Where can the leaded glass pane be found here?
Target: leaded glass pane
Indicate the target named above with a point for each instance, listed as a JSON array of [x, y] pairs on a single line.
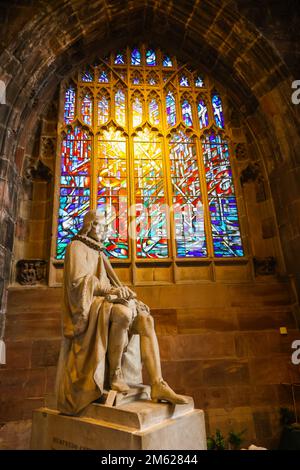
[[187, 116], [69, 108], [171, 109], [218, 110], [112, 191], [154, 112], [87, 76], [202, 114], [187, 198], [184, 81], [119, 59], [221, 197], [103, 77], [103, 110], [135, 57], [137, 112], [74, 198], [167, 62], [151, 214], [150, 57], [199, 83], [87, 109], [120, 107]]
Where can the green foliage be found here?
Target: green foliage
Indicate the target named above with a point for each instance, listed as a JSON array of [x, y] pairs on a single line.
[[235, 439], [219, 442], [216, 442]]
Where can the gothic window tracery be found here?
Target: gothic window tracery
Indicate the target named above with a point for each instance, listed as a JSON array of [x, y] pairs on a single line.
[[140, 130]]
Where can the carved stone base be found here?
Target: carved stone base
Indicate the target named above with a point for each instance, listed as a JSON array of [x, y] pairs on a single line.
[[136, 425]]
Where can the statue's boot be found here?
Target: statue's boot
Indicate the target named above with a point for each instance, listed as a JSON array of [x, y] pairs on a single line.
[[161, 391], [117, 381]]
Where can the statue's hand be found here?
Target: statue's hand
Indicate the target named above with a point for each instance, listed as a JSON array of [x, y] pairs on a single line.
[[123, 292], [143, 307]]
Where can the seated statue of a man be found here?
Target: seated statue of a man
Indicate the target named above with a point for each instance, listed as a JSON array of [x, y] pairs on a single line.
[[107, 332]]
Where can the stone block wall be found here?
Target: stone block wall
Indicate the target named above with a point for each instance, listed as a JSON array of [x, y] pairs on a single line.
[[219, 343]]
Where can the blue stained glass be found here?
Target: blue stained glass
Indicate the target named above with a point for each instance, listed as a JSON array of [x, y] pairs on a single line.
[[74, 199], [171, 109], [103, 77], [119, 59], [202, 114], [187, 198], [136, 80], [199, 82], [135, 57], [218, 110], [187, 113], [87, 109], [87, 76], [221, 197], [150, 57], [69, 111], [184, 81], [167, 61]]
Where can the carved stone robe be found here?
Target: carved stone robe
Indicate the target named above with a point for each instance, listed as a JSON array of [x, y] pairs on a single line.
[[82, 368]]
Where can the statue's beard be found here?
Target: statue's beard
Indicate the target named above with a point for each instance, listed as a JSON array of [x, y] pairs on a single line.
[[97, 238]]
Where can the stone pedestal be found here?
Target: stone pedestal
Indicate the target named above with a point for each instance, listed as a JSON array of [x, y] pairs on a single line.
[[134, 425]]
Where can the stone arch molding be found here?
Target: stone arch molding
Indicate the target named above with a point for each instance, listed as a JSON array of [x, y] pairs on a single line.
[[214, 35], [2, 92]]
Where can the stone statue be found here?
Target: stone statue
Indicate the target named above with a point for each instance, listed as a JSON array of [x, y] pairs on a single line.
[[107, 331]]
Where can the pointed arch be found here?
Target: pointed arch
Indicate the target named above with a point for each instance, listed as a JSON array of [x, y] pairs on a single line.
[[153, 120]]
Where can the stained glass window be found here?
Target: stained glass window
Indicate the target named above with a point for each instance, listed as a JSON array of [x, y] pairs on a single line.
[[87, 109], [154, 112], [112, 191], [150, 57], [87, 76], [128, 143], [74, 198], [218, 110], [187, 198], [137, 78], [171, 109], [167, 62], [103, 110], [221, 198], [151, 215], [184, 81], [120, 107], [103, 77], [202, 114], [135, 57], [119, 59], [199, 83], [187, 113], [137, 112], [69, 108]]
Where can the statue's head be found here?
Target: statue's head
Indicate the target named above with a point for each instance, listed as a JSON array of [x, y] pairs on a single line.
[[94, 226]]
